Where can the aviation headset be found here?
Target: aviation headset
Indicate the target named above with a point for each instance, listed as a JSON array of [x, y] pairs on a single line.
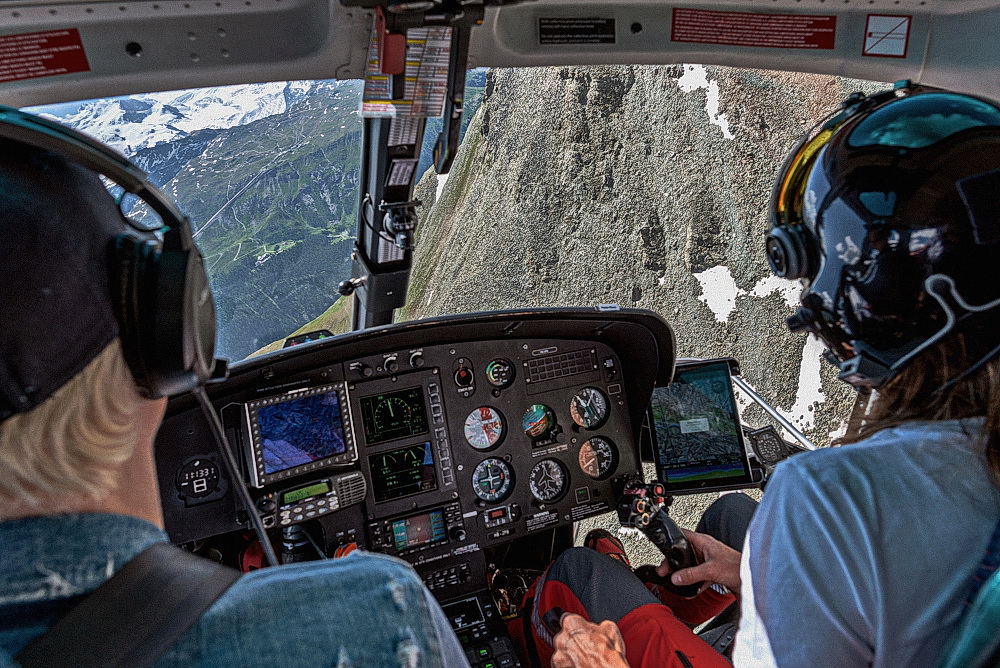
[[159, 290]]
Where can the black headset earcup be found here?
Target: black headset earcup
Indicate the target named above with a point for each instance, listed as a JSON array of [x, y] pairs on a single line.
[[786, 253], [165, 313]]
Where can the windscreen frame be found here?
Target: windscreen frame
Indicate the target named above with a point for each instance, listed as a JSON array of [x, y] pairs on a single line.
[[254, 441]]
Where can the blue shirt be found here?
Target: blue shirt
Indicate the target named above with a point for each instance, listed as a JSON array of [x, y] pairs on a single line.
[[362, 610], [863, 555]]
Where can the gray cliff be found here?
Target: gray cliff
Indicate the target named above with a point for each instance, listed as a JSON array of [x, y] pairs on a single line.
[[642, 186]]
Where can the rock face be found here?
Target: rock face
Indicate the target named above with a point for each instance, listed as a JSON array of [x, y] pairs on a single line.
[[642, 186]]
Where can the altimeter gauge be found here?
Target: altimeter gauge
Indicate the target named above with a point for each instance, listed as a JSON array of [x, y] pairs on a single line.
[[492, 480], [548, 480], [598, 457], [589, 408], [484, 428]]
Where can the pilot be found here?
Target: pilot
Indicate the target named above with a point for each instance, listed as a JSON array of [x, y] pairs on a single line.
[[866, 555], [78, 489]]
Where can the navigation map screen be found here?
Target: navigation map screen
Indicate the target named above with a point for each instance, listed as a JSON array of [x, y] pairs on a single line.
[[393, 415], [419, 530], [299, 431], [699, 441], [403, 472]]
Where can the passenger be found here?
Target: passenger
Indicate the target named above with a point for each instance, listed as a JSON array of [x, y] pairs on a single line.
[[78, 489], [866, 555]]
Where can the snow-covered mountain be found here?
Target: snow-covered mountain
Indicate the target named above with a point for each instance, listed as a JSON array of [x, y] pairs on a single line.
[[137, 122]]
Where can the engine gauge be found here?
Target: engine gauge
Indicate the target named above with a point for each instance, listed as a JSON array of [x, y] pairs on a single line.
[[500, 373], [484, 428], [589, 408], [492, 480], [598, 458], [538, 421], [548, 480]]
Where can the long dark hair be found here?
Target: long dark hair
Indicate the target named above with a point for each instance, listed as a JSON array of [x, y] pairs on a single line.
[[915, 393]]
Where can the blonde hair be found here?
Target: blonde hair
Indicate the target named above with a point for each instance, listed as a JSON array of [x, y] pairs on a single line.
[[71, 442]]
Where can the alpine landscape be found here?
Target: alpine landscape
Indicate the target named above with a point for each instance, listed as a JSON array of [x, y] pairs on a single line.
[[639, 186]]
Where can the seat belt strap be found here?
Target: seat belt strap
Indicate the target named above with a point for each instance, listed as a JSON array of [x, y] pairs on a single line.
[[135, 616]]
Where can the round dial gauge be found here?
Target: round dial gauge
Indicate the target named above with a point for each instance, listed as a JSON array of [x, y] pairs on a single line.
[[484, 428], [589, 408], [598, 457], [548, 480], [500, 373], [492, 480], [765, 443], [538, 421]]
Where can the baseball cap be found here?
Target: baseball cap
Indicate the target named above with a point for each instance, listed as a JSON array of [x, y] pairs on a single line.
[[57, 222]]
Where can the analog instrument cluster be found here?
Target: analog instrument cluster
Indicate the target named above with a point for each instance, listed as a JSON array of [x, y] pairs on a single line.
[[430, 441]]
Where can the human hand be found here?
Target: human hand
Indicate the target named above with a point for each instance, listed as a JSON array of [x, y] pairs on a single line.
[[583, 644], [717, 563]]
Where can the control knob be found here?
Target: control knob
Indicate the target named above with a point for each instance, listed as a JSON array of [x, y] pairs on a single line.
[[391, 365], [416, 360], [457, 533], [266, 505]]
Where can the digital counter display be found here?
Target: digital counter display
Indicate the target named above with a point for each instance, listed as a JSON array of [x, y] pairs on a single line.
[[393, 415], [307, 492], [403, 472], [419, 530], [300, 431]]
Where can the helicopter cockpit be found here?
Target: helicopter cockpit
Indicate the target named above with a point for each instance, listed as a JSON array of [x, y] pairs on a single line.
[[467, 445]]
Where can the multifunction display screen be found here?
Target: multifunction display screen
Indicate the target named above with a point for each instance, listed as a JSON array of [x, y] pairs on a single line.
[[393, 415], [419, 530], [699, 441], [299, 431], [403, 472]]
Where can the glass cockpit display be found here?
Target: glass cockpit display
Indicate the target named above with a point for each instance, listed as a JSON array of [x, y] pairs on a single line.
[[297, 432], [403, 472], [394, 415], [699, 440]]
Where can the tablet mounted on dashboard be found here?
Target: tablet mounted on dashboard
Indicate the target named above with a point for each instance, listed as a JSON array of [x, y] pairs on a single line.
[[698, 443]]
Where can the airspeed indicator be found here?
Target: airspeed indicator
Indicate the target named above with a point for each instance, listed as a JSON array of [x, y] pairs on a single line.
[[484, 428]]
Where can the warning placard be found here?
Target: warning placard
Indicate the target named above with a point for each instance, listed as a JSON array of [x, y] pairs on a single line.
[[781, 31], [887, 36], [41, 54]]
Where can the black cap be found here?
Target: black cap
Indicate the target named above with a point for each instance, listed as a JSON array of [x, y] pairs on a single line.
[[57, 222]]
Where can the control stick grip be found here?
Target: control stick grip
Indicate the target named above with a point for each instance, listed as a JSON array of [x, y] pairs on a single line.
[[668, 537]]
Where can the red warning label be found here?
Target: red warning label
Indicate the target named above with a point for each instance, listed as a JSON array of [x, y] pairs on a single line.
[[782, 31], [41, 54]]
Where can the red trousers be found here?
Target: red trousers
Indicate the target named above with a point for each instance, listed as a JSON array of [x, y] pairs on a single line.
[[655, 628]]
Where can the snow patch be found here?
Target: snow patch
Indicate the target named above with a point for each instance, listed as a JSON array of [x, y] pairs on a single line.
[[718, 291], [696, 77], [442, 179], [790, 290], [809, 392]]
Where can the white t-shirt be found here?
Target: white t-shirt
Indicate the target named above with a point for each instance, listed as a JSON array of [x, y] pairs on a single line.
[[863, 555]]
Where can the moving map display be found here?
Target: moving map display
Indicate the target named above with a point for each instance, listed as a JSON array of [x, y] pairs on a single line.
[[698, 438], [299, 431]]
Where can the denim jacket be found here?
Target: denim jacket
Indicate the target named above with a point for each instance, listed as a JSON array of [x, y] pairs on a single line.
[[362, 610]]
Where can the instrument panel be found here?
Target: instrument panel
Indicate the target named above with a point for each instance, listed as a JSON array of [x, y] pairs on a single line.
[[430, 445]]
